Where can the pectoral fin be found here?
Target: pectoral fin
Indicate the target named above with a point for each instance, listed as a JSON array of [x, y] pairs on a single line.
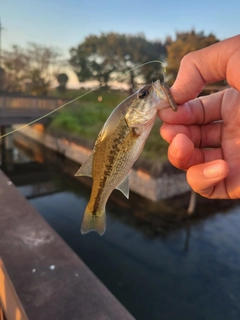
[[124, 186], [86, 167]]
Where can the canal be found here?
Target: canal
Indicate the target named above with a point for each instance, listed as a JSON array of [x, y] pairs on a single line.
[[158, 262]]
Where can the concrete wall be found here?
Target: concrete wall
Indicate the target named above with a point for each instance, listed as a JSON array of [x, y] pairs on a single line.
[[140, 182]]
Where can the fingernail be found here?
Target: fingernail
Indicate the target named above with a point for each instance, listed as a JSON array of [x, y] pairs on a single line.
[[213, 171]]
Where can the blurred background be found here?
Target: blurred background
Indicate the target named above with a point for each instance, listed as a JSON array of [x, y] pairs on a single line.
[[89, 41], [159, 261]]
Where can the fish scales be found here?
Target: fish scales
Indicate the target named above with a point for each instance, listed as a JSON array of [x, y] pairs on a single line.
[[108, 167], [118, 146]]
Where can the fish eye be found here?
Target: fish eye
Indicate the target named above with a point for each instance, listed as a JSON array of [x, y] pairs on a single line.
[[143, 94]]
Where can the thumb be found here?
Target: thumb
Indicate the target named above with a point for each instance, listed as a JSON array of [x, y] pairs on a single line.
[[207, 179]]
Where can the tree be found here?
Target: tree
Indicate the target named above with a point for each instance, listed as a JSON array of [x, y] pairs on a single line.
[[106, 56], [33, 68], [43, 68], [37, 84], [90, 60], [184, 43], [62, 79], [15, 64], [154, 71], [139, 50], [2, 80]]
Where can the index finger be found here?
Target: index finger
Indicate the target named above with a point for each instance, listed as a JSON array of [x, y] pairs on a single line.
[[200, 111], [214, 63]]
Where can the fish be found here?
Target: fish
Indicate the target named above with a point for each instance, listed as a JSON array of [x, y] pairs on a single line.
[[118, 146]]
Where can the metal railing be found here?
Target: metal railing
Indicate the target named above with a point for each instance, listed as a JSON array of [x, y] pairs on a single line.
[[15, 104], [19, 109]]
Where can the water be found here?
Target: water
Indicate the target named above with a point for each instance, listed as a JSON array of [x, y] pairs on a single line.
[[158, 265]]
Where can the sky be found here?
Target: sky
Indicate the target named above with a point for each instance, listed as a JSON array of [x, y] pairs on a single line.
[[65, 23]]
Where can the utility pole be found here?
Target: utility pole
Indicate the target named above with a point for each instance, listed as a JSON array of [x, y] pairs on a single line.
[[1, 57]]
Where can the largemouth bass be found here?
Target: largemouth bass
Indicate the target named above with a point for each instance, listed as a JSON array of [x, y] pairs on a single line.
[[118, 146]]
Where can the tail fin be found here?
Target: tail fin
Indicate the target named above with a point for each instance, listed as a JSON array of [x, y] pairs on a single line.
[[93, 222]]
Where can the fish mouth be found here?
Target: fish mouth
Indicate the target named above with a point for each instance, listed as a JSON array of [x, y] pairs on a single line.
[[157, 85], [164, 97], [159, 95]]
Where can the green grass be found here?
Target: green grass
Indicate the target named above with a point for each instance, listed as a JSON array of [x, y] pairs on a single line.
[[85, 118], [82, 119], [86, 115], [110, 98]]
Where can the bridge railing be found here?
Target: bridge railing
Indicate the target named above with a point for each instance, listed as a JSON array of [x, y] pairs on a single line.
[[31, 104], [15, 110]]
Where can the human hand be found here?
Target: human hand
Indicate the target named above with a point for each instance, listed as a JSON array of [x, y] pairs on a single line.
[[204, 134]]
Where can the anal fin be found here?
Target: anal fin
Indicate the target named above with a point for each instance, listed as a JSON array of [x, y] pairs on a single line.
[[124, 186]]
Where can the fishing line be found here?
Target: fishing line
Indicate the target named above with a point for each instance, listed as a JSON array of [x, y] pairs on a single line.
[[81, 96]]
